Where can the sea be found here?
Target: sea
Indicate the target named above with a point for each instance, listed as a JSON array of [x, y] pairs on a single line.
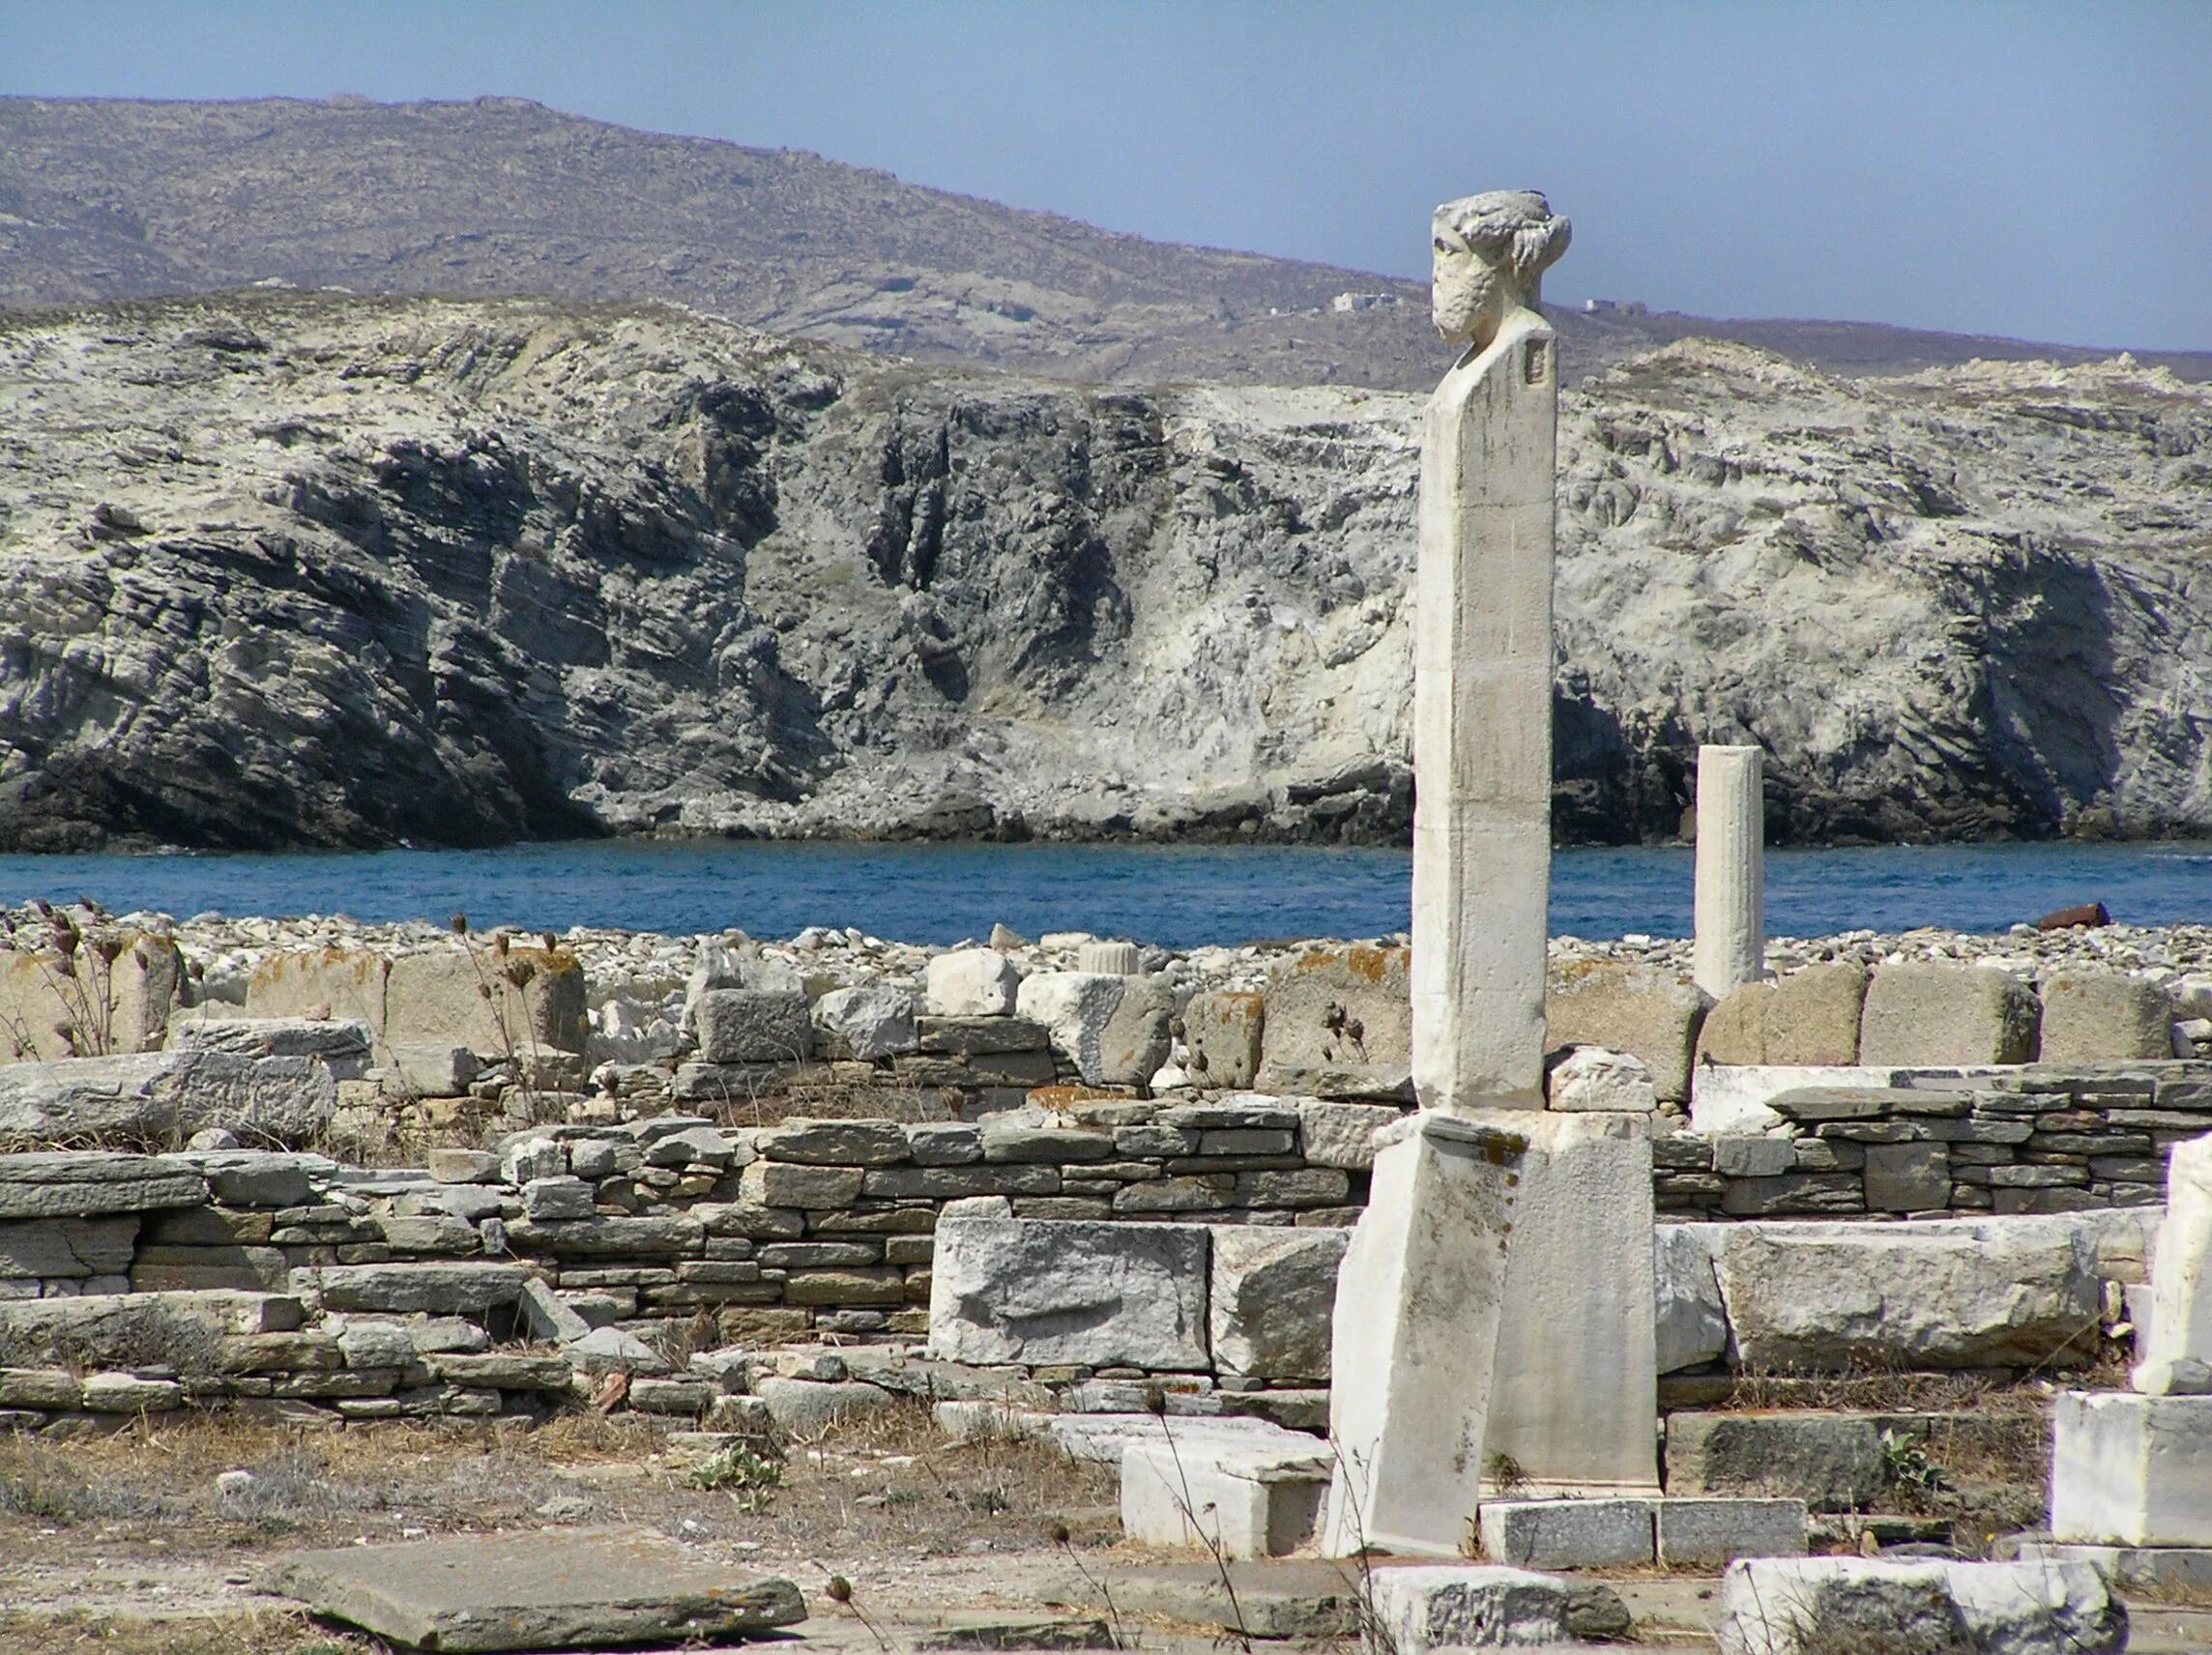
[[1174, 896]]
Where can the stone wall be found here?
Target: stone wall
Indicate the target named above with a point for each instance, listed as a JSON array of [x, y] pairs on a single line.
[[2037, 1138]]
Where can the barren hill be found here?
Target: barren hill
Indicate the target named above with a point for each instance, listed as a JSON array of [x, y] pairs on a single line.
[[104, 199]]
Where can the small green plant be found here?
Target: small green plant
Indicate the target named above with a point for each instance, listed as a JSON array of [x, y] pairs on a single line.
[[1505, 1475], [1907, 1464], [750, 1477]]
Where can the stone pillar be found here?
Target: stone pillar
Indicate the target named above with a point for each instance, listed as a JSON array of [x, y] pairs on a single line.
[[1732, 870], [2178, 1351], [1482, 714], [1417, 1304]]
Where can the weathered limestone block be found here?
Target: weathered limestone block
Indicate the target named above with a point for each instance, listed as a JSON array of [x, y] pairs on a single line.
[[1591, 1078], [1810, 1017], [753, 1026], [322, 982], [1947, 1293], [1273, 1294], [121, 1004], [537, 1001], [1342, 1135], [67, 1248], [1419, 1296], [1690, 1323], [159, 1095], [1699, 1533], [1253, 1499], [1468, 1606], [138, 1329], [1808, 1606], [869, 1021], [2131, 1470], [1830, 1461], [1640, 1009], [1115, 959], [837, 1143], [1337, 1022], [1941, 1015], [85, 1183], [434, 1069], [343, 1045], [1100, 1294], [1573, 1396], [2104, 1017], [973, 982], [1223, 1031], [1566, 1533], [1113, 1028], [2178, 1345], [438, 1288]]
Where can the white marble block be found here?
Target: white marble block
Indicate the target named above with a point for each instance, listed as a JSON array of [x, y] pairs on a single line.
[[1254, 1499], [2178, 1345], [2131, 1470], [973, 982], [1416, 1320], [1574, 1392], [1467, 1605], [1729, 903]]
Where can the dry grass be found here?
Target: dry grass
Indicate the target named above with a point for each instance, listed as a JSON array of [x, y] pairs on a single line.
[[250, 1632]]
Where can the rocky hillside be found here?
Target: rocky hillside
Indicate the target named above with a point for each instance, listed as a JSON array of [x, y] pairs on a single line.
[[285, 569], [112, 198]]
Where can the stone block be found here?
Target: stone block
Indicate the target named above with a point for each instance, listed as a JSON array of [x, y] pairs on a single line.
[[752, 1026], [1907, 1177], [1273, 1292], [792, 1183], [536, 998], [973, 982], [343, 1045], [532, 1156], [1591, 1078], [556, 1589], [1098, 1294], [1650, 1013], [1427, 1607], [88, 1184], [803, 1407], [464, 1166], [430, 1068], [837, 1143], [2131, 1470], [1830, 1461], [156, 1095], [1342, 1135], [438, 1288], [1810, 1017], [1009, 1137], [340, 983], [1338, 1023], [1222, 1031], [1419, 1296], [1565, 1533], [1691, 1324], [869, 1021], [67, 1248], [2179, 1330], [1810, 1606], [2104, 1017], [132, 998], [1251, 1500], [945, 1143], [1699, 1533], [554, 1197], [1113, 1028], [129, 1330], [1940, 1015], [1744, 1157], [1943, 1293]]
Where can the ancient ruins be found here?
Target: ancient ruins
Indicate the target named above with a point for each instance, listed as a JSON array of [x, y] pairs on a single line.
[[1484, 1278]]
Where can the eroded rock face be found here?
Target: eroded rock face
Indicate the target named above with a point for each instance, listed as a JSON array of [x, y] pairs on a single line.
[[299, 569]]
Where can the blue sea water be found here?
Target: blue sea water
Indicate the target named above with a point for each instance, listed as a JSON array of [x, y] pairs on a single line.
[[1176, 896]]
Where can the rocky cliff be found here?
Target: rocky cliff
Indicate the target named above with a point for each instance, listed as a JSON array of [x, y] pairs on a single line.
[[285, 569]]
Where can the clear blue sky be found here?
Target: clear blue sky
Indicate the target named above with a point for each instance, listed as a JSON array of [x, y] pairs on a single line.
[[2043, 170]]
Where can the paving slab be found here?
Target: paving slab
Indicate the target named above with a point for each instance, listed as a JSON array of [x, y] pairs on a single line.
[[586, 1588]]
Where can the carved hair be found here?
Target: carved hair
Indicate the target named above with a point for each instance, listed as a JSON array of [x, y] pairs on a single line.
[[1513, 227]]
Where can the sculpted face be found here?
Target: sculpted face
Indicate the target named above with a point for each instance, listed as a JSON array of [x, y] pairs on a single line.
[[1490, 254], [1469, 294]]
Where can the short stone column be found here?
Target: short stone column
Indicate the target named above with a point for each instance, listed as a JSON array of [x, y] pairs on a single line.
[[1731, 869]]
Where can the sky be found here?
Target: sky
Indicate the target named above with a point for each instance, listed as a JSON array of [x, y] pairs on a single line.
[[2018, 168]]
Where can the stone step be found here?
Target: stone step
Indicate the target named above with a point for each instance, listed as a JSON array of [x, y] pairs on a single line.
[[1256, 1498], [1602, 1533]]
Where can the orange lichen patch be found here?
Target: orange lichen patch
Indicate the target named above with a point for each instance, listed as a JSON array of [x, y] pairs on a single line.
[[1065, 1096], [1370, 965]]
